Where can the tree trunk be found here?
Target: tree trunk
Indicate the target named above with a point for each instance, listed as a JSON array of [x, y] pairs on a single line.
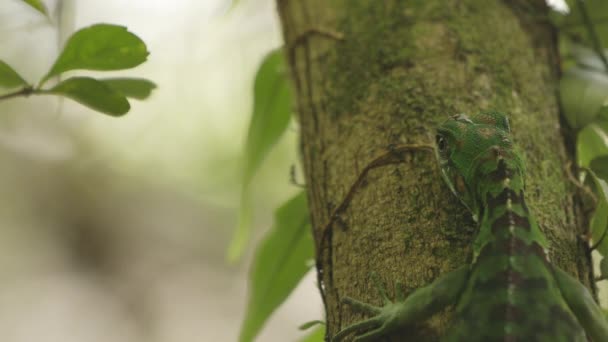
[[371, 75]]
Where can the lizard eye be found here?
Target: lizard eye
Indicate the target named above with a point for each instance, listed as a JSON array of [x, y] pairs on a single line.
[[442, 144]]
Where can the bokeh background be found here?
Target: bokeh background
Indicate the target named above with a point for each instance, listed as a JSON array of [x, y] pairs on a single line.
[[116, 229]]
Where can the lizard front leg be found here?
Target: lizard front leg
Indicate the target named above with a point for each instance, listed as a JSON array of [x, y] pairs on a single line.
[[588, 313], [421, 304]]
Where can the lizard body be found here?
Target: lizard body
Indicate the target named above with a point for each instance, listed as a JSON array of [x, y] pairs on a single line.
[[510, 291]]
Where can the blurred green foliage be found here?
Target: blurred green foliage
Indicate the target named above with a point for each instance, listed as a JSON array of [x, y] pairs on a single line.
[[93, 94], [37, 5], [269, 120], [600, 219], [584, 98], [103, 47], [9, 78], [280, 262], [136, 88]]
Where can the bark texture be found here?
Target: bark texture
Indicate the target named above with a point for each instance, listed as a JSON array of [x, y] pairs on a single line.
[[372, 74]]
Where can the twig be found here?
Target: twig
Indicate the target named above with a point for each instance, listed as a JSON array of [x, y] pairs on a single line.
[[293, 177], [595, 40], [578, 184], [314, 31], [392, 156], [602, 20], [26, 91]]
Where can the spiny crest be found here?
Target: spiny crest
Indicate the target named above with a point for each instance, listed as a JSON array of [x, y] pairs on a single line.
[[470, 148]]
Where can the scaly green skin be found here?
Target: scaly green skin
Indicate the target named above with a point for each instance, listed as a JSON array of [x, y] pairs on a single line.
[[510, 291]]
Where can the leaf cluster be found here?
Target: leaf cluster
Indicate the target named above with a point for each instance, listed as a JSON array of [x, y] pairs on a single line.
[[283, 257], [100, 47]]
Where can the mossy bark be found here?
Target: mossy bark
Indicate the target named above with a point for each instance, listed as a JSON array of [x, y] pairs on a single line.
[[370, 75]]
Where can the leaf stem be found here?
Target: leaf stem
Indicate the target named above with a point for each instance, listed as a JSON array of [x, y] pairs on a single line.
[[595, 40], [25, 91], [600, 20]]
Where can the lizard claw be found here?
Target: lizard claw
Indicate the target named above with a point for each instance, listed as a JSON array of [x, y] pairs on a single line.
[[382, 318], [399, 292], [380, 288], [361, 306], [365, 324]]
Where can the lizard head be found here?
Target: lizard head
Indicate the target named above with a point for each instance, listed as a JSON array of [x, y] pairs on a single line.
[[471, 153]]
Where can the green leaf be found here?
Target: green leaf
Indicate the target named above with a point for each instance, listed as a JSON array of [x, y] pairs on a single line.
[[582, 94], [604, 268], [100, 47], [599, 165], [599, 221], [602, 114], [38, 5], [93, 94], [591, 143], [271, 111], [598, 224], [310, 324], [318, 335], [137, 88], [588, 59], [242, 232], [270, 118], [9, 78], [574, 25], [279, 264]]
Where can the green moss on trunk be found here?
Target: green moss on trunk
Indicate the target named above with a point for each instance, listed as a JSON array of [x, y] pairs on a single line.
[[373, 74]]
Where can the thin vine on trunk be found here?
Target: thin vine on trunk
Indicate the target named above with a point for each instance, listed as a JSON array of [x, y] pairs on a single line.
[[372, 75]]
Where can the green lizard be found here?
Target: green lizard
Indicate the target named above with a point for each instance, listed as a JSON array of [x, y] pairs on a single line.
[[510, 291]]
